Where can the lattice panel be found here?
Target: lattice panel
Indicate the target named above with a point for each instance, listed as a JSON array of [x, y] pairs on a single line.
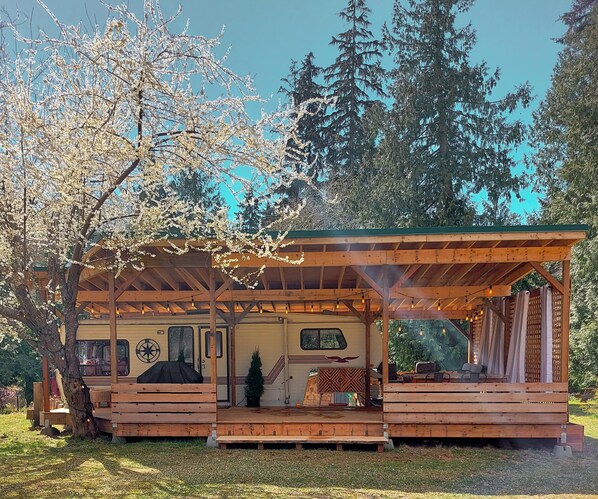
[[557, 334], [533, 342], [341, 379]]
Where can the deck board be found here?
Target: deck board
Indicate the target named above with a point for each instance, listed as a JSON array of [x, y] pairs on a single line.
[[302, 415]]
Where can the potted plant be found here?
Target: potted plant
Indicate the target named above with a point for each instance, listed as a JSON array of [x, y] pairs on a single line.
[[254, 381]]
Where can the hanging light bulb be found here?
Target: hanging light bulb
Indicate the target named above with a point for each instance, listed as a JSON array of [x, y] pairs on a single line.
[[412, 303], [421, 331], [312, 306], [466, 299], [238, 307], [168, 307], [438, 306], [443, 330], [362, 298], [261, 308], [192, 302], [142, 309], [337, 304], [490, 290], [93, 311], [286, 308], [400, 328], [481, 312], [467, 317], [117, 311]]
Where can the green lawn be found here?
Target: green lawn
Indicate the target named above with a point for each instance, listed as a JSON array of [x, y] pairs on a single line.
[[35, 466]]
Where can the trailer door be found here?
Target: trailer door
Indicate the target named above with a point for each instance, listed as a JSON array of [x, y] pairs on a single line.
[[205, 362]]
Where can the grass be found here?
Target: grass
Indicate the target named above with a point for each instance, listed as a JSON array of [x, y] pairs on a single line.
[[32, 465]]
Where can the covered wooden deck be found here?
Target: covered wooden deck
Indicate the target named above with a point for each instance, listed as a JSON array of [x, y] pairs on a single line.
[[411, 410], [432, 273]]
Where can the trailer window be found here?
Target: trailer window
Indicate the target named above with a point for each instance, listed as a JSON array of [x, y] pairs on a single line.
[[180, 344], [218, 344], [94, 357], [323, 339]]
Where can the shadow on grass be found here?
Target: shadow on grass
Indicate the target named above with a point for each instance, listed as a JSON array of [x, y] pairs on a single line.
[[185, 467]]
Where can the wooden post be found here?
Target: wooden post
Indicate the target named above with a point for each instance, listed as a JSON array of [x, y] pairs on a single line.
[[214, 370], [231, 350], [38, 403], [565, 317], [113, 338], [385, 319], [46, 383], [368, 320]]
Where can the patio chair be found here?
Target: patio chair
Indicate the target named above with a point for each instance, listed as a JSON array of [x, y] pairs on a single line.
[[438, 377], [473, 373]]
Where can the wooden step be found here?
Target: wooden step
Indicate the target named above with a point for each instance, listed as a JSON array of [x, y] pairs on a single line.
[[299, 440]]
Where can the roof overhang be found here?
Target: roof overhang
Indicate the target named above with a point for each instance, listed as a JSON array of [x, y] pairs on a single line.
[[431, 272]]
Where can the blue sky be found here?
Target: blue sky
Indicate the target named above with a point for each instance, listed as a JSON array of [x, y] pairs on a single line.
[[264, 35]]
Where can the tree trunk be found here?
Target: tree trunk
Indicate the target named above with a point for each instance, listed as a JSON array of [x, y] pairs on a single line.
[[65, 359], [79, 401]]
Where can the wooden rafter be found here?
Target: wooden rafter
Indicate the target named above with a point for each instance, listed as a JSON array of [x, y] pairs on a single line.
[[553, 281]]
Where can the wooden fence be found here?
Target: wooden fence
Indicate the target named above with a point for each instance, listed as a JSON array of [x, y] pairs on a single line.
[[476, 403], [163, 409]]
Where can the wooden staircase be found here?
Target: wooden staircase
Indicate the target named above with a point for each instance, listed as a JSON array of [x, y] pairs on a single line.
[[299, 427]]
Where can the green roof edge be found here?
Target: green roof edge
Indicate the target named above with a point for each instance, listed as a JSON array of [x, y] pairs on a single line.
[[404, 231]]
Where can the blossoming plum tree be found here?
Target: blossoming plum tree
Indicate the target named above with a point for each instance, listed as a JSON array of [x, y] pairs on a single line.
[[94, 125]]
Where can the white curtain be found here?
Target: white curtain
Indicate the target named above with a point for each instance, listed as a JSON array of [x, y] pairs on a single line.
[[546, 329], [516, 357], [492, 340]]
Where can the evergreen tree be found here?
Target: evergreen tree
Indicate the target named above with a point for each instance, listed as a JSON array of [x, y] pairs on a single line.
[[194, 186], [354, 79], [565, 135], [302, 89], [251, 214], [446, 138]]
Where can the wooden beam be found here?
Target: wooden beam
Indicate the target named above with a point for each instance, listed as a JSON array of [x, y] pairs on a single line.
[[192, 281], [355, 312], [341, 276], [213, 357], [46, 383], [458, 327], [232, 323], [128, 282], [385, 323], [225, 285], [408, 274], [548, 277], [569, 236], [278, 295], [368, 323], [409, 257], [565, 317], [113, 333], [496, 310], [364, 275]]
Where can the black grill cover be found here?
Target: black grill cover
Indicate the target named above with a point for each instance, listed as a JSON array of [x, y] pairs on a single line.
[[170, 372]]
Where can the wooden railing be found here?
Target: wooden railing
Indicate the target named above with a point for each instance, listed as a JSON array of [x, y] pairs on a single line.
[[163, 403], [475, 403]]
